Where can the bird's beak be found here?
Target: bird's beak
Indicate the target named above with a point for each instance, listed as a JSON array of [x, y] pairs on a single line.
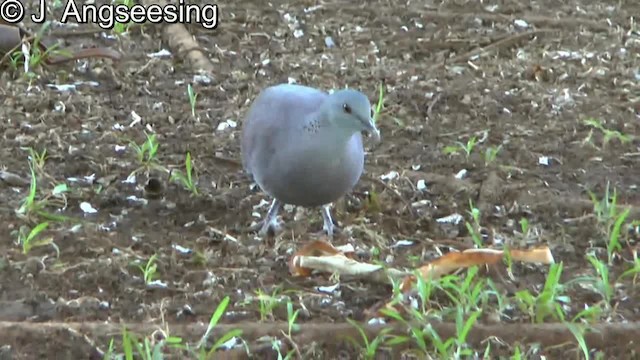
[[371, 129]]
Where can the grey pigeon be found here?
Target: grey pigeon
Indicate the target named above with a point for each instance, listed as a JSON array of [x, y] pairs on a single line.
[[303, 147]]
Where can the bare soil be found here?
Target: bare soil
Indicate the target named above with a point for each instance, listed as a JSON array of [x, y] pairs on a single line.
[[452, 70]]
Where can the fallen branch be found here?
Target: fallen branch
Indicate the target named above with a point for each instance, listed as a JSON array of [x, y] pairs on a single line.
[[181, 42], [600, 336]]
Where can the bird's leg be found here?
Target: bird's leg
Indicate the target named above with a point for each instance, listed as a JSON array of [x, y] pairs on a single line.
[[270, 221], [328, 227]]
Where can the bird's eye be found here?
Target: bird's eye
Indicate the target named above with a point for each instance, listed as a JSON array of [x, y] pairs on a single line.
[[346, 108]]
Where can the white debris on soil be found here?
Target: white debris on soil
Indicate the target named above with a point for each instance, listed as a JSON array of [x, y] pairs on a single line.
[[226, 125], [376, 321], [347, 248], [60, 107], [131, 179], [421, 203], [543, 160], [421, 185], [401, 243], [181, 249], [461, 174], [160, 54], [158, 284], [521, 23], [261, 204], [137, 200], [202, 79], [294, 25], [328, 41], [72, 87], [331, 289], [135, 119], [390, 175], [451, 219], [87, 208], [231, 343]]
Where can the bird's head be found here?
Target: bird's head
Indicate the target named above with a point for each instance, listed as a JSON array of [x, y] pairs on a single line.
[[351, 111]]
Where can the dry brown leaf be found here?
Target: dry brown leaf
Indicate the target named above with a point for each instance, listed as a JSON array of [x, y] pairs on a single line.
[[474, 257], [314, 248]]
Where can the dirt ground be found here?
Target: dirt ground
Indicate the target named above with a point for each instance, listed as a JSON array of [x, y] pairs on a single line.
[[523, 75]]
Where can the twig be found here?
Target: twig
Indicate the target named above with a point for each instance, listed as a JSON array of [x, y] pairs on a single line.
[[508, 41]]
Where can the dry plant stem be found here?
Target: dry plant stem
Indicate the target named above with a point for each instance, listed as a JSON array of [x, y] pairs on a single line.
[[349, 268], [181, 41], [392, 190], [506, 42], [599, 336]]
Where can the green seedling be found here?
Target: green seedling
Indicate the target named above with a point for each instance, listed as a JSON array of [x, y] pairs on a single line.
[[602, 283], [215, 318], [268, 303], [275, 345], [31, 54], [146, 155], [490, 154], [291, 318], [132, 345], [122, 27], [578, 332], [108, 355], [186, 180], [468, 292], [606, 212], [193, 97], [634, 270], [507, 259], [379, 105], [29, 239], [524, 226], [606, 208], [549, 302], [474, 228], [589, 315], [416, 333], [467, 147], [607, 133], [149, 269], [39, 159], [463, 327], [34, 207], [372, 202], [146, 349], [370, 347], [517, 354], [613, 245]]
